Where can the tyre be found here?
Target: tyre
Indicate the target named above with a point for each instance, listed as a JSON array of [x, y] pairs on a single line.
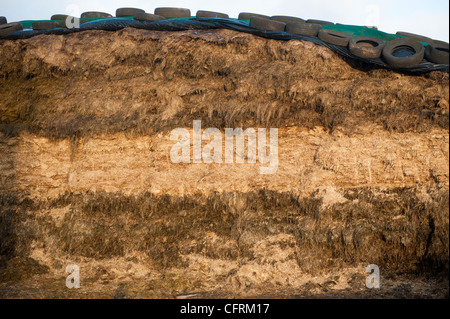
[[95, 15], [266, 24], [211, 14], [128, 12], [8, 28], [417, 37], [248, 15], [172, 13], [73, 23], [60, 17], [403, 53], [148, 17], [306, 29], [437, 52], [46, 25], [321, 22], [3, 20], [286, 19], [366, 47], [334, 37]]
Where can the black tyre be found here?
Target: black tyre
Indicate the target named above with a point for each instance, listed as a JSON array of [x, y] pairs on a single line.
[[248, 15], [286, 19], [172, 13], [60, 17], [73, 22], [334, 37], [321, 22], [437, 52], [128, 12], [417, 37], [95, 15], [266, 24], [3, 20], [306, 29], [8, 28], [46, 25], [211, 14], [366, 47], [403, 53], [148, 17]]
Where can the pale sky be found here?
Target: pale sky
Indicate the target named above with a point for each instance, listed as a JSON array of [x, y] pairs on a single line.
[[429, 18]]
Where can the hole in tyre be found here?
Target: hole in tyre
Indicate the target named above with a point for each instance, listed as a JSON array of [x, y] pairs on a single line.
[[367, 44], [403, 52]]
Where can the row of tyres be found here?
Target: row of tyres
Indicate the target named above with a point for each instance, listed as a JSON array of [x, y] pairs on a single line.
[[398, 53], [67, 21], [403, 51]]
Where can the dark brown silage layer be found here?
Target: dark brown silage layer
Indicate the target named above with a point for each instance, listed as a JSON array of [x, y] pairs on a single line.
[[139, 81], [395, 231]]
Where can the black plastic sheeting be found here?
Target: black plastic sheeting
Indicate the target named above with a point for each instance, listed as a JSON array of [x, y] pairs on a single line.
[[215, 23]]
